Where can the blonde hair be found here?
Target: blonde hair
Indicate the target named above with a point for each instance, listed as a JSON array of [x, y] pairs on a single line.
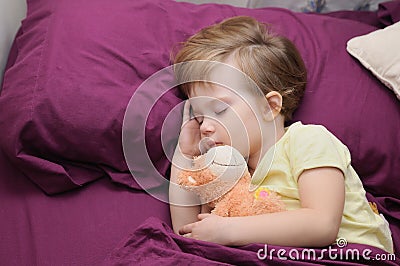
[[271, 61]]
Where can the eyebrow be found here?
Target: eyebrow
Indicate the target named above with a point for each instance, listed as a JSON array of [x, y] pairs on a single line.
[[221, 99]]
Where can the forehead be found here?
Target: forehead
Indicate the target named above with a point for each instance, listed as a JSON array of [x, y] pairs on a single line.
[[211, 91], [207, 89], [204, 96], [214, 75]]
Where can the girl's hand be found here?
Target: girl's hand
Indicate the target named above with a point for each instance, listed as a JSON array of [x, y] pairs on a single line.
[[210, 227], [190, 136]]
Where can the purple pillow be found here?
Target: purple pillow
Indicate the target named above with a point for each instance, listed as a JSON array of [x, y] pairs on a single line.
[[78, 63]]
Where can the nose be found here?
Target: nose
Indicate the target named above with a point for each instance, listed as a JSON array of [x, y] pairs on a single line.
[[207, 128]]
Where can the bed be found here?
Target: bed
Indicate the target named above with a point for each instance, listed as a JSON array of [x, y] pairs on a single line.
[[73, 191]]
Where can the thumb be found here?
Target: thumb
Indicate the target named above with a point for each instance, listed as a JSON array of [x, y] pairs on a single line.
[[187, 112], [203, 216]]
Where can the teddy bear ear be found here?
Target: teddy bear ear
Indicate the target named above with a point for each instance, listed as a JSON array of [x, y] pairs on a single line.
[[188, 178], [182, 177], [192, 180]]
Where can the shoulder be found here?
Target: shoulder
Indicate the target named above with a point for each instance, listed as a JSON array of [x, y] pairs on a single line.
[[300, 129], [315, 141], [313, 146], [301, 135]]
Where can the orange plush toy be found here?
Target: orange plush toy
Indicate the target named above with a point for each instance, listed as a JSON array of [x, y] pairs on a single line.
[[221, 179]]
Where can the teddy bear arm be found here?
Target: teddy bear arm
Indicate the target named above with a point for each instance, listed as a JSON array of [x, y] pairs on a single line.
[[222, 207], [270, 204]]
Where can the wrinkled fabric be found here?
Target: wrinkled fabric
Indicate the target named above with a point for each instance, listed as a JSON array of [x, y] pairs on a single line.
[[154, 243]]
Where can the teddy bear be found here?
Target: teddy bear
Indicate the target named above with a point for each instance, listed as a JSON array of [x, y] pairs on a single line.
[[220, 178]]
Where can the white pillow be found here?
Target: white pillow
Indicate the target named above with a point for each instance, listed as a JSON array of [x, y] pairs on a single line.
[[379, 51], [299, 5], [11, 13]]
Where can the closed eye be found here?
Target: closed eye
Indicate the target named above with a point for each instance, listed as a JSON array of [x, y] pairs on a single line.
[[221, 111]]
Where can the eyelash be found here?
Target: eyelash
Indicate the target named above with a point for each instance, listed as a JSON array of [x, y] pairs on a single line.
[[201, 117], [220, 112]]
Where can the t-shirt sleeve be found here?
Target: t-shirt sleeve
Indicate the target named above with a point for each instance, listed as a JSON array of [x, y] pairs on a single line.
[[313, 146]]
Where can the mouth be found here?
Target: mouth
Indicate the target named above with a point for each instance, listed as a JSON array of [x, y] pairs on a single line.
[[209, 143], [213, 143]]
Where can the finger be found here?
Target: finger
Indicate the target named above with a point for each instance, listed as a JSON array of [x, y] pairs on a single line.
[[206, 144], [186, 229], [188, 235], [187, 111], [202, 216]]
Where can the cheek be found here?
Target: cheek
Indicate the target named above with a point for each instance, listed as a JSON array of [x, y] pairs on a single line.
[[251, 133], [249, 120], [240, 125], [253, 127], [236, 134], [225, 131]]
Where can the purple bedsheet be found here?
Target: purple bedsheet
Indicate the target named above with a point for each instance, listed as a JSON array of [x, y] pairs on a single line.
[[75, 228], [154, 243]]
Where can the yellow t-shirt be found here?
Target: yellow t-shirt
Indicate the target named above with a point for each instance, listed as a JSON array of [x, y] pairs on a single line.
[[305, 147]]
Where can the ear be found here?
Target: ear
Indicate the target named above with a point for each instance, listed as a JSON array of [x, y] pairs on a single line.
[[274, 107]]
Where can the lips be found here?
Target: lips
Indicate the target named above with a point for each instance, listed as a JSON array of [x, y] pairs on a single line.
[[213, 143], [209, 143]]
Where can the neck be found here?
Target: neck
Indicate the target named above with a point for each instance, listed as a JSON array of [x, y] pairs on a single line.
[[276, 129]]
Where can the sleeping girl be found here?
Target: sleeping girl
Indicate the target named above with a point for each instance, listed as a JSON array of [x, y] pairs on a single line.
[[305, 164]]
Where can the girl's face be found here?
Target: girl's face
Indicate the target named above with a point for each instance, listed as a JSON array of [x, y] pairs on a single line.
[[227, 118]]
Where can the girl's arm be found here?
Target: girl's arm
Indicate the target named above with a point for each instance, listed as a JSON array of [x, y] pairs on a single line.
[[315, 224], [183, 205], [181, 215]]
